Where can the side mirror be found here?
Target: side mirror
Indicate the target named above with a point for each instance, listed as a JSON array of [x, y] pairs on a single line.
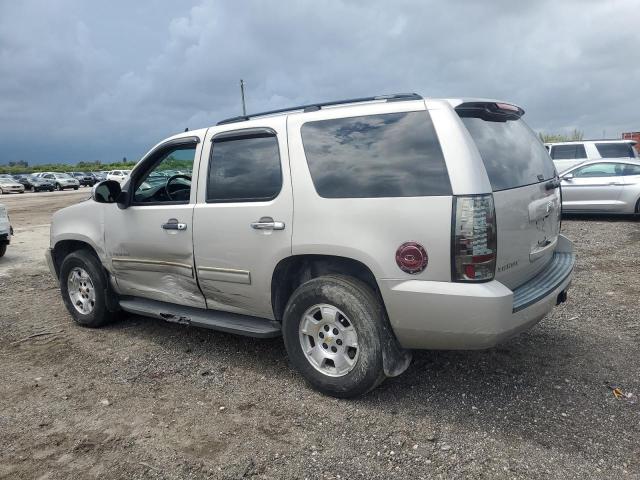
[[568, 176], [106, 192], [123, 199]]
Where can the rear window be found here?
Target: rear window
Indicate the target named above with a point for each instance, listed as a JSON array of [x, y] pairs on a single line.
[[568, 152], [512, 153], [389, 155], [615, 150]]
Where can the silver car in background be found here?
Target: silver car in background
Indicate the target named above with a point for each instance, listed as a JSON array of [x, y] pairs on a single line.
[[602, 186]]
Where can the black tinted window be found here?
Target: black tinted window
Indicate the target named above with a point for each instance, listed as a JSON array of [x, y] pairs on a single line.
[[391, 155], [631, 170], [244, 168], [568, 152], [512, 154], [615, 150]]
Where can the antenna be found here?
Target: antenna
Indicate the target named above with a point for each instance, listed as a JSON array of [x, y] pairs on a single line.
[[244, 106]]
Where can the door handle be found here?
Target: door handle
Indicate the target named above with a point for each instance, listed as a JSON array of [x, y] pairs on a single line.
[[614, 183], [267, 223], [173, 224]]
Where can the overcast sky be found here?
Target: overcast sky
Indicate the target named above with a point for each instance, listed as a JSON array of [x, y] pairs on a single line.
[[102, 80]]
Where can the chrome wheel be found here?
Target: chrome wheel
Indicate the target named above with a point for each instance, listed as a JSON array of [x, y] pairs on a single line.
[[81, 291], [329, 341]]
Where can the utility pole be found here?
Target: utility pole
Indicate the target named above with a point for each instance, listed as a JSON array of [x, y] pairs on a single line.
[[244, 107]]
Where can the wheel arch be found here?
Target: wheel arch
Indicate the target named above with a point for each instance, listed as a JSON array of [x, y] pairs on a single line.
[[293, 271]]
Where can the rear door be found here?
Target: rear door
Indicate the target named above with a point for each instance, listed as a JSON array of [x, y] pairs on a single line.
[[593, 188], [525, 190], [243, 218]]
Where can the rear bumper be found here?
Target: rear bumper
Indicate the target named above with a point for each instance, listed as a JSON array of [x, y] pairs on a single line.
[[449, 315]]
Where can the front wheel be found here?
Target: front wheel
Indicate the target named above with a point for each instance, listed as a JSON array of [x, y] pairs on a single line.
[[75, 188], [333, 332], [84, 288], [3, 250], [58, 187]]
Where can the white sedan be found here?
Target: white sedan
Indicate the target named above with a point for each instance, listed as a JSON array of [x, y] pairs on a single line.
[[118, 175]]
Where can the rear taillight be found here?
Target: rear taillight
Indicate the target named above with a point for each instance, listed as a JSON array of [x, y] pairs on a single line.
[[474, 239]]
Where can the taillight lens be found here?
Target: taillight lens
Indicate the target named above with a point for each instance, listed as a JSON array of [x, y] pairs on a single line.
[[474, 239]]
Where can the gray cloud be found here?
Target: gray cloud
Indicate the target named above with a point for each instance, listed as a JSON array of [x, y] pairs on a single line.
[[101, 80]]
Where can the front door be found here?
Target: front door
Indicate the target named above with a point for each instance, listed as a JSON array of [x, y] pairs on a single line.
[[150, 243], [243, 218], [593, 187]]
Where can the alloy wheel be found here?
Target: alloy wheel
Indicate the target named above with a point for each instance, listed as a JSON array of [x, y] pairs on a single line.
[[329, 340]]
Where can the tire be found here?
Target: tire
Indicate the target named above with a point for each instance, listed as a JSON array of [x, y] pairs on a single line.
[[33, 189], [3, 250], [95, 288], [356, 304], [58, 187], [75, 188]]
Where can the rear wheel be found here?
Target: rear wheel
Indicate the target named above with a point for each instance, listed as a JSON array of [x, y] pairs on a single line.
[[33, 189], [58, 187], [3, 250], [333, 333], [84, 288], [638, 206]]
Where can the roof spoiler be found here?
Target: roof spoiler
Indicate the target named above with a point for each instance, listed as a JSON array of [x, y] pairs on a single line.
[[493, 111]]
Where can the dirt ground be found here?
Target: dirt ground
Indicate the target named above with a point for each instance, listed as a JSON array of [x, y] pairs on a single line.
[[148, 399]]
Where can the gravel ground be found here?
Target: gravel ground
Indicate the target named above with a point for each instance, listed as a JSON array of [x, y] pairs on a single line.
[[147, 399]]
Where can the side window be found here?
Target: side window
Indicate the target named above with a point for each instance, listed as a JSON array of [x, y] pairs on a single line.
[[615, 150], [568, 152], [244, 168], [169, 181], [631, 170], [389, 155], [599, 170]]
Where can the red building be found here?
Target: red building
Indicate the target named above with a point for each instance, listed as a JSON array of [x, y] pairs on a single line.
[[633, 136]]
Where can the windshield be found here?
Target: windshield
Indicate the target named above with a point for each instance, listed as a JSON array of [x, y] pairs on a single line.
[[512, 153]]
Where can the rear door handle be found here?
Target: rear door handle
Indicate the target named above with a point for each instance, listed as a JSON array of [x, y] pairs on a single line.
[[267, 223], [173, 224]]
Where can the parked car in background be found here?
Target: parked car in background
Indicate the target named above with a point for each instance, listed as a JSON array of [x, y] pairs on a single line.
[[568, 154], [62, 181], [35, 184], [119, 176], [85, 179], [602, 186], [98, 176], [9, 185], [5, 230], [399, 238]]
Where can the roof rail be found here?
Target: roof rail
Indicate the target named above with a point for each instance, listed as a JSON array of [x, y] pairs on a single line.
[[312, 107]]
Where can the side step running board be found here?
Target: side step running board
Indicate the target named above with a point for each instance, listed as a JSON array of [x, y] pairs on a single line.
[[200, 317]]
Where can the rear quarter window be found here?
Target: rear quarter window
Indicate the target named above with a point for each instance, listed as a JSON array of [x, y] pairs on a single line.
[[615, 150], [388, 155], [512, 153]]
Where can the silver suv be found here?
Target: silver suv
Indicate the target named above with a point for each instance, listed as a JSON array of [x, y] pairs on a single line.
[[357, 230]]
